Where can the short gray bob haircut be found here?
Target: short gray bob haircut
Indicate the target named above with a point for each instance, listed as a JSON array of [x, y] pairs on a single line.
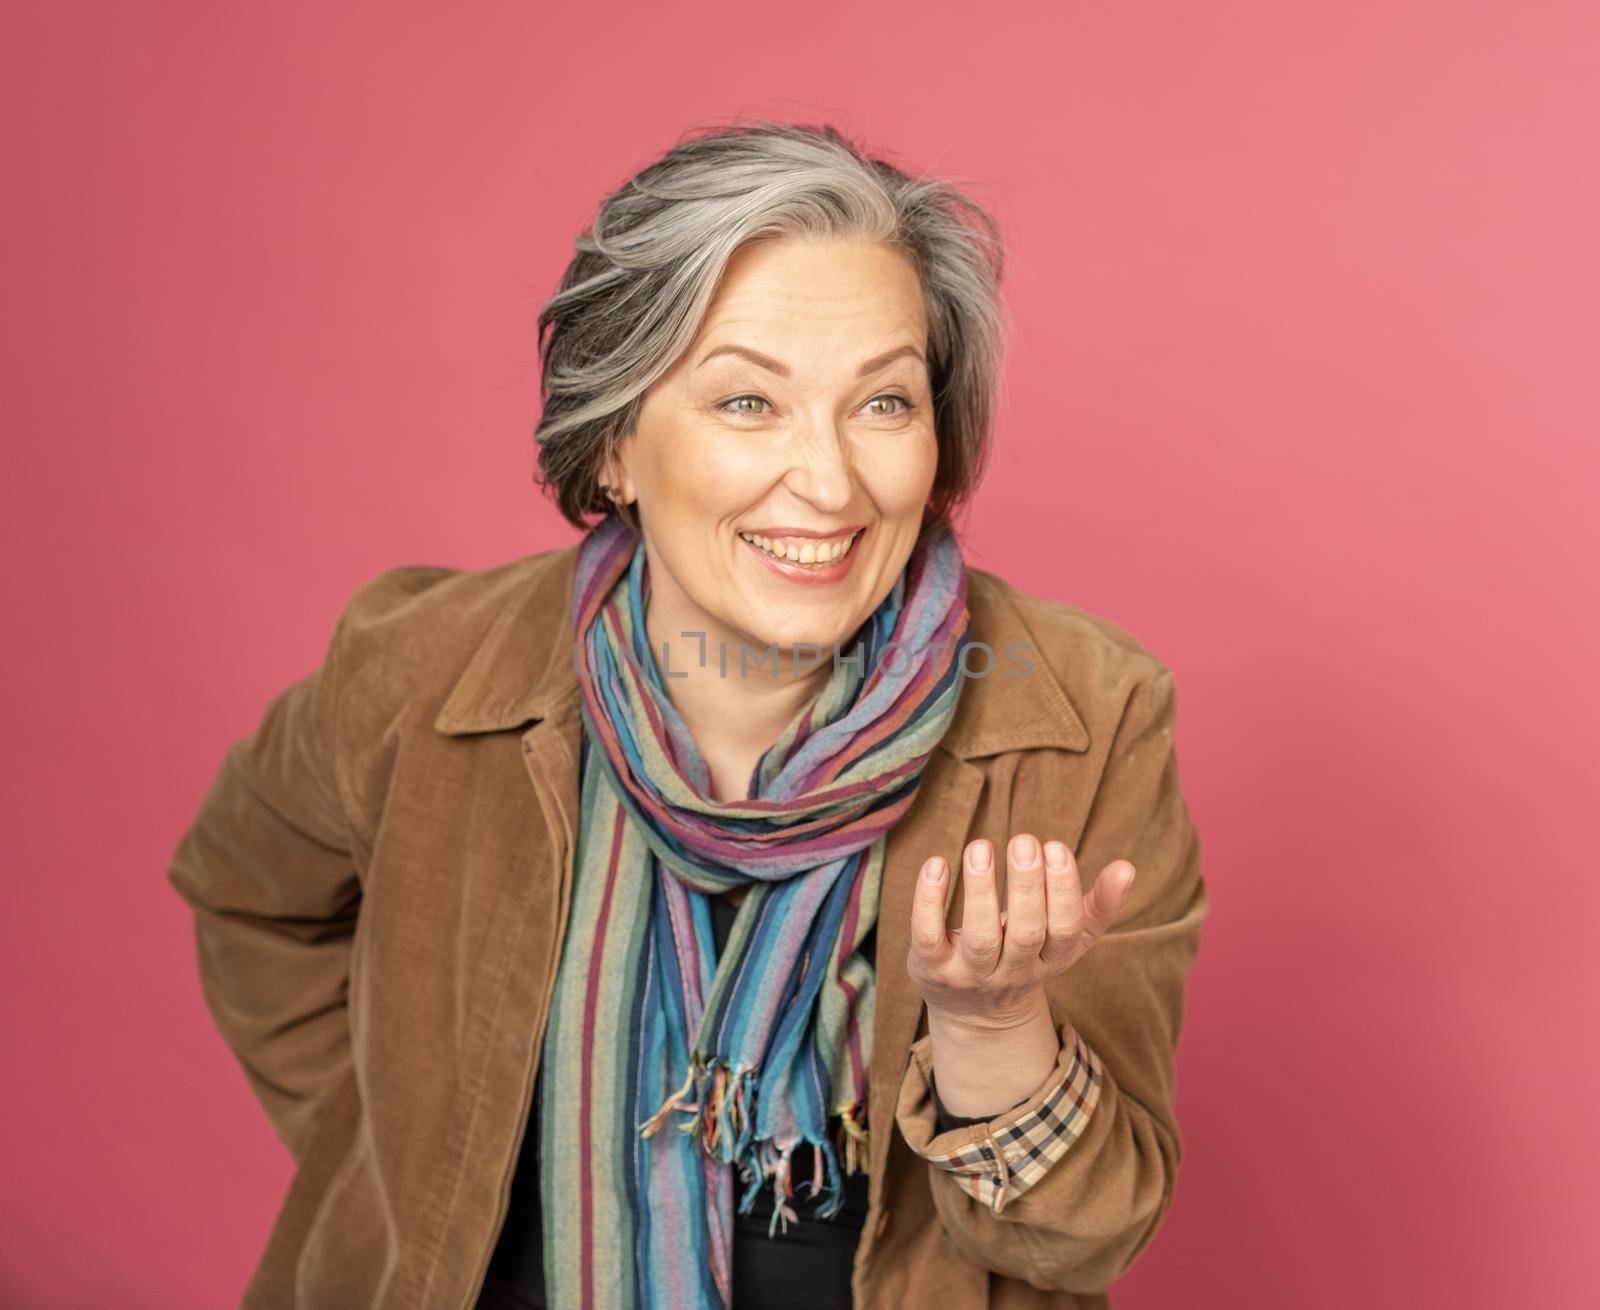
[[634, 297]]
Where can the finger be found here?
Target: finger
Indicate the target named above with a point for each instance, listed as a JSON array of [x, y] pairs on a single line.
[[1064, 906], [1025, 903], [1106, 900], [930, 942], [980, 909]]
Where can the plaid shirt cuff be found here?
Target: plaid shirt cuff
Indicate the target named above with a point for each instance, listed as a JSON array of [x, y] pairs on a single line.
[[996, 1160]]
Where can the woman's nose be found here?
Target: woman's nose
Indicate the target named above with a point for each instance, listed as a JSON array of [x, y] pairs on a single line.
[[821, 472]]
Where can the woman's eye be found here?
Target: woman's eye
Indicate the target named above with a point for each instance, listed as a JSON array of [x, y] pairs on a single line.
[[736, 401], [891, 413]]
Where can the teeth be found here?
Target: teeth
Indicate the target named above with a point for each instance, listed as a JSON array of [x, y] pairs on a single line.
[[808, 552]]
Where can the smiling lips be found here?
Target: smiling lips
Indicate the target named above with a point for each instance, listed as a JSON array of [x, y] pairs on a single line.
[[805, 559], [803, 550]]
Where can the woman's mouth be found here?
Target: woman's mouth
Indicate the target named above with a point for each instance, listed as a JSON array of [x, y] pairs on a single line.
[[805, 558]]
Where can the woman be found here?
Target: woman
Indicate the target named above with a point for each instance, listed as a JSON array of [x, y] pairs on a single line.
[[587, 924]]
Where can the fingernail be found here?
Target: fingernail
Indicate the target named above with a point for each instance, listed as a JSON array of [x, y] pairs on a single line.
[[982, 857], [933, 870], [1055, 855], [1025, 850]]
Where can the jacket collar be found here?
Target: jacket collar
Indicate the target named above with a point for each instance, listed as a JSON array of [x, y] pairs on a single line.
[[523, 670]]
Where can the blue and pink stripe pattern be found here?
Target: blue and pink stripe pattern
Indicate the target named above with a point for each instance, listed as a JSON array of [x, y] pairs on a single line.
[[751, 1055]]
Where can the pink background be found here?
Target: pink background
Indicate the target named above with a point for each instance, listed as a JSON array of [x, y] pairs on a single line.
[[1303, 299]]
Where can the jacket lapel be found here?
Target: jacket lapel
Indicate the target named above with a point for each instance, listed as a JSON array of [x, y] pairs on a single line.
[[550, 754]]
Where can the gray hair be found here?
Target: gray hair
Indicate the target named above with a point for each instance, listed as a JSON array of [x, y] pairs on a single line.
[[635, 295]]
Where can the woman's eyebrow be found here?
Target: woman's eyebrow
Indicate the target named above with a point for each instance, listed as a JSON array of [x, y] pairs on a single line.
[[783, 370]]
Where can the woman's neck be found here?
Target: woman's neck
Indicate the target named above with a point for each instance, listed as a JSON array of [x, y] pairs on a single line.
[[734, 713]]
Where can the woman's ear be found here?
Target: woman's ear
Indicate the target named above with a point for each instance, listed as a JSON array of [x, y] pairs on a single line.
[[615, 483]]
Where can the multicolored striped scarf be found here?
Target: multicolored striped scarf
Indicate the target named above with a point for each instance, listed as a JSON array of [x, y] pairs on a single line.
[[749, 1055]]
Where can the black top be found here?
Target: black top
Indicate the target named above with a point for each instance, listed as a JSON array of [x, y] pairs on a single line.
[[806, 1268]]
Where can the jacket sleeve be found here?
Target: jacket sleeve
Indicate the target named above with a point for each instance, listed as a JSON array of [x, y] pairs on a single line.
[[1065, 1190], [266, 867]]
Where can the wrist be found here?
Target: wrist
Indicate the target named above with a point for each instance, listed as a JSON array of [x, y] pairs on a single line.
[[983, 1069], [1022, 1016]]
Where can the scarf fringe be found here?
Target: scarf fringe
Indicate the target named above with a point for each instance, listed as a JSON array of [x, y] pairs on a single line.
[[723, 1116]]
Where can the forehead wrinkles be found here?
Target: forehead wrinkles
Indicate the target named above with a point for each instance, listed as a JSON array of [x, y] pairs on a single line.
[[779, 314]]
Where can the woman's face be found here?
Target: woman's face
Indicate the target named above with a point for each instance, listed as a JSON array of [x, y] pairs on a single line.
[[798, 424]]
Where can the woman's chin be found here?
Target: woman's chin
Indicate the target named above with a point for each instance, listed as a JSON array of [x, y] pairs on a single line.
[[810, 643]]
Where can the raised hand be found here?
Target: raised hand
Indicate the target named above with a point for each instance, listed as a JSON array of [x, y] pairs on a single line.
[[993, 1037]]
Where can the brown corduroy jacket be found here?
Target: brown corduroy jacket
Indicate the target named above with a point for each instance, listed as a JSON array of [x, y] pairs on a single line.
[[380, 876]]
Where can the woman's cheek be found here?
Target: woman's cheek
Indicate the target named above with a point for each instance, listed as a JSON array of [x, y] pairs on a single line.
[[689, 472], [899, 475]]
